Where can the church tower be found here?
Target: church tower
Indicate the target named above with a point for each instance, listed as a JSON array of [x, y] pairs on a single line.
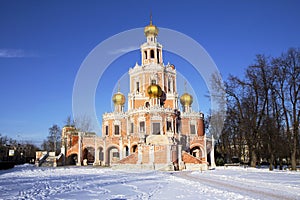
[[152, 83]]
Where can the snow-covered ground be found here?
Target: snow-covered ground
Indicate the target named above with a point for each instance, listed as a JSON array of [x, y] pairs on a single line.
[[29, 182]]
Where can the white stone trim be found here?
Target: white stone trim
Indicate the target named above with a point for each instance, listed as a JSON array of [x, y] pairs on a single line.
[[156, 118], [117, 122]]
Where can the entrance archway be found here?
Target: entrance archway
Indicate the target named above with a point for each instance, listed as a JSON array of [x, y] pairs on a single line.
[[72, 159], [126, 150], [101, 154], [89, 155], [196, 152], [134, 148], [113, 155]]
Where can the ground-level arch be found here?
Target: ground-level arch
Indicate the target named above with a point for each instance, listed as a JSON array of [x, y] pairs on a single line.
[[112, 155]]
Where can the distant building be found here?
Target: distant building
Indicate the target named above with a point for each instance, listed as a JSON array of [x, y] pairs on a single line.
[[154, 133]]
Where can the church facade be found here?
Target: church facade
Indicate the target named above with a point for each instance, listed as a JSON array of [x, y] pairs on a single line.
[[155, 132]]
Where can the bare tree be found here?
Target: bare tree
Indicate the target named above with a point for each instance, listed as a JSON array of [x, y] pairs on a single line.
[[83, 123], [218, 114], [69, 121], [287, 71], [249, 100], [263, 110], [52, 143]]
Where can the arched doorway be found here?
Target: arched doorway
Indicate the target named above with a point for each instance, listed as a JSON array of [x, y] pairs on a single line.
[[72, 159], [113, 155], [196, 152], [126, 150], [89, 155], [101, 154], [134, 148]]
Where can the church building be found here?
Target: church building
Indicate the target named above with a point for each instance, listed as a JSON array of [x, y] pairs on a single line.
[[155, 132]]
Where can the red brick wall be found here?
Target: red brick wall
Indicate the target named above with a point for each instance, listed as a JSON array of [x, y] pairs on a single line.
[[74, 139], [145, 152], [200, 127], [160, 154]]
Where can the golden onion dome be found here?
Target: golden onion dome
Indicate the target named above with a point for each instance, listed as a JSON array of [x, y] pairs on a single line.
[[154, 91], [119, 99], [186, 99], [151, 29]]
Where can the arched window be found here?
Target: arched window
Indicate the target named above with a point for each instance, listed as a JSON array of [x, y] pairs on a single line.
[[117, 130], [131, 127], [152, 53], [134, 148], [106, 130], [145, 54], [169, 126], [192, 129], [158, 56], [126, 151], [142, 127], [137, 86], [147, 104]]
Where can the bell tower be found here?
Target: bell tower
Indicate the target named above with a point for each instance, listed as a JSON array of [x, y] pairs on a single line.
[[152, 84], [151, 50]]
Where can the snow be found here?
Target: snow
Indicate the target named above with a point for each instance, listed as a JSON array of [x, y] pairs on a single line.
[[30, 182]]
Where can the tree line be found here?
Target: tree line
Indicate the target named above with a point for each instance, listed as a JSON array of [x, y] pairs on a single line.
[[17, 151], [263, 112]]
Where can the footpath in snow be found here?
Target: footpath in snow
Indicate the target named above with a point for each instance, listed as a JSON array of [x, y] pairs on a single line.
[[29, 182]]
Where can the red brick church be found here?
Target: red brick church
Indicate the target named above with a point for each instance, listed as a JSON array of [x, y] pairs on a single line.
[[154, 132]]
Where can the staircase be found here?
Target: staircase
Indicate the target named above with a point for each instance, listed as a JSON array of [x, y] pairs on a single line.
[[193, 163], [188, 158], [131, 159], [50, 160]]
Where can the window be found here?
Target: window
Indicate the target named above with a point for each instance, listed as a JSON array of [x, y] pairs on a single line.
[[169, 126], [142, 127], [169, 85], [115, 154], [117, 131], [131, 127], [147, 104], [106, 130], [158, 56], [193, 129], [134, 148], [126, 151], [145, 54], [138, 86], [156, 128], [152, 53]]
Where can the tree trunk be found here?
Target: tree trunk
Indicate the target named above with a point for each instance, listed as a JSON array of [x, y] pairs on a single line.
[[271, 162], [293, 154], [253, 158]]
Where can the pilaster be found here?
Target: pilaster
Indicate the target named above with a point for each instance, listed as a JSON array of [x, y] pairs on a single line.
[[79, 149]]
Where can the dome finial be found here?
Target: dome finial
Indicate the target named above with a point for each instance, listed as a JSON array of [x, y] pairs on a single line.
[[151, 29], [150, 17], [118, 86]]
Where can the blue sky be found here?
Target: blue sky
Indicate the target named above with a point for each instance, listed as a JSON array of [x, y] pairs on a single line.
[[43, 43]]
